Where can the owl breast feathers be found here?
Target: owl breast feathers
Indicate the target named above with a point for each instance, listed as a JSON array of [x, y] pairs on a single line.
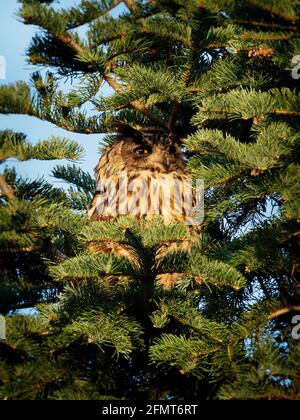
[[142, 175]]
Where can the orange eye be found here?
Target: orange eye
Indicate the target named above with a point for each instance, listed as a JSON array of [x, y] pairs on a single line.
[[142, 151]]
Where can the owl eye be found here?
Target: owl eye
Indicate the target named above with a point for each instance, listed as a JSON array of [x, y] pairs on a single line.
[[142, 151]]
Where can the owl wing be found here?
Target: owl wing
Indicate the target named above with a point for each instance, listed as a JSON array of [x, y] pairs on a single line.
[[92, 210], [103, 206]]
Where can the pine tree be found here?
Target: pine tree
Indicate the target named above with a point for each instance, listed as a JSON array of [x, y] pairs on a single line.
[[218, 75]]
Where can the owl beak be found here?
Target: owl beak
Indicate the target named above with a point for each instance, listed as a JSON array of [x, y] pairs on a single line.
[[166, 163]]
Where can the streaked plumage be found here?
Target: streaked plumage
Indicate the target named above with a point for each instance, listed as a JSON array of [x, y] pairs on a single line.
[[146, 158]]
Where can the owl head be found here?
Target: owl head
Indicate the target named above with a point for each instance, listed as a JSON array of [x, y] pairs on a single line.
[[136, 151], [142, 174]]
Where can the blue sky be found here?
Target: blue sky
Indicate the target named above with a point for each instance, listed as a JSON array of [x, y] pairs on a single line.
[[14, 40]]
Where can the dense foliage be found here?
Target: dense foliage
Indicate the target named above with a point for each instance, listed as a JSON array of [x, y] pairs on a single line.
[[219, 75]]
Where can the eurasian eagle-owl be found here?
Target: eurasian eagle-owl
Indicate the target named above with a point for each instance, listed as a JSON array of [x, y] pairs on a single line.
[[155, 163]]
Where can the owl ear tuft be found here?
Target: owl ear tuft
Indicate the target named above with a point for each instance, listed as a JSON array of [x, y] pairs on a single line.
[[126, 130], [173, 139]]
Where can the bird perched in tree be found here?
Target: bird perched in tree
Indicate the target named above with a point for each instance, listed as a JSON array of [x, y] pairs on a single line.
[[141, 174]]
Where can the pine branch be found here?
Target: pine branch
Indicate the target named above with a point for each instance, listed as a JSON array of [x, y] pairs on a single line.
[[70, 42], [135, 104], [15, 145], [284, 10], [196, 301], [186, 80], [257, 23], [97, 12], [40, 385]]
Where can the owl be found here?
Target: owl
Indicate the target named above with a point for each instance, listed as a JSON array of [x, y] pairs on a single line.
[[143, 175]]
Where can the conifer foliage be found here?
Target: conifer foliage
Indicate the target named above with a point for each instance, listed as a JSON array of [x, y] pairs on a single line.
[[214, 320]]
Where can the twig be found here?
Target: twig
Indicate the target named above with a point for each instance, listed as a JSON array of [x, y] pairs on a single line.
[[283, 311], [263, 24], [130, 4], [5, 189], [263, 287]]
